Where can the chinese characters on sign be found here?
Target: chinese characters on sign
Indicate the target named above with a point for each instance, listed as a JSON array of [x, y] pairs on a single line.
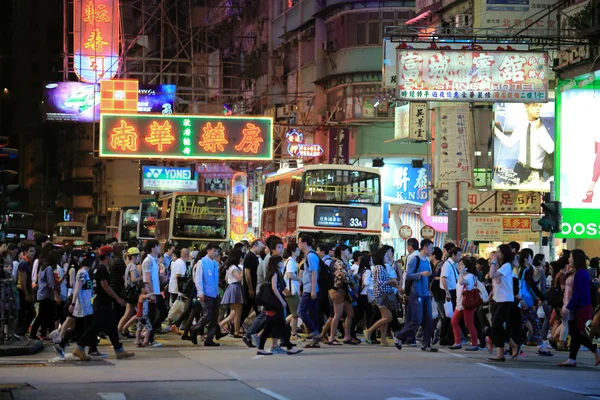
[[96, 39], [453, 145], [501, 228], [297, 147], [472, 75], [491, 202], [119, 95], [418, 121], [239, 206], [189, 136], [404, 184]]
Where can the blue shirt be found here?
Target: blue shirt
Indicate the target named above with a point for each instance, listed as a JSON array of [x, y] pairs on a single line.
[[311, 264], [207, 278], [420, 285]]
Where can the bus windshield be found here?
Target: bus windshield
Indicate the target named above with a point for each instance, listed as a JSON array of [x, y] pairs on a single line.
[[68, 231], [340, 187], [200, 217], [148, 214], [96, 223], [129, 222]]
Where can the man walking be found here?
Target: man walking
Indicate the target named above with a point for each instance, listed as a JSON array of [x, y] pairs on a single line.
[[26, 312], [307, 310], [449, 280], [157, 309], [251, 262]]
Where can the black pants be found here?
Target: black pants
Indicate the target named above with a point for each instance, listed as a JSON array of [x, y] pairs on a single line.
[[173, 297], [157, 312], [277, 328], [45, 317], [81, 325], [515, 324], [186, 312], [578, 339], [364, 309], [446, 333], [119, 309], [194, 313], [103, 319], [500, 317], [25, 315], [210, 316]]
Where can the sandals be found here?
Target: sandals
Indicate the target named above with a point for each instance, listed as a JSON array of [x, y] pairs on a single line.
[[312, 345], [519, 350], [567, 364], [354, 342], [334, 342], [367, 337], [491, 359]]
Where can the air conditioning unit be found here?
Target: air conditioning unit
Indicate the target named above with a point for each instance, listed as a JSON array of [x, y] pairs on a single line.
[[329, 46]]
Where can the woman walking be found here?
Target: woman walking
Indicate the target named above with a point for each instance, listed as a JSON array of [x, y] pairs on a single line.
[[233, 296], [467, 281], [132, 279]]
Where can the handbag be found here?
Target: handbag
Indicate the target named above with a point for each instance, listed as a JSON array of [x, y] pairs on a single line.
[[130, 294], [352, 294], [267, 298], [391, 301], [437, 292], [554, 296], [448, 309], [471, 299]]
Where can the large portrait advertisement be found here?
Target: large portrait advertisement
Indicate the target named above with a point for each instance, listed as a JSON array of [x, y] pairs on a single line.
[[578, 160], [523, 146]]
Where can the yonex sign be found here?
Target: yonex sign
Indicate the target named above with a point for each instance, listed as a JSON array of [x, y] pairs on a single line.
[[168, 179]]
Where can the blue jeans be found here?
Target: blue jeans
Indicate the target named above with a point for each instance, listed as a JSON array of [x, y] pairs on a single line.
[[307, 310]]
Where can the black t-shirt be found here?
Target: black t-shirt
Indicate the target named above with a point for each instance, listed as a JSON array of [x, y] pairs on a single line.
[[251, 264], [117, 272], [101, 274]]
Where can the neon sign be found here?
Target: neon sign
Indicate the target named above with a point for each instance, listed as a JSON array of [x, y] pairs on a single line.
[[186, 136], [297, 148], [96, 39], [239, 206], [119, 95]]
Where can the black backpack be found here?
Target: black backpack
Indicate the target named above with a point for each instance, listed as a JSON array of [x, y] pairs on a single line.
[[325, 278], [409, 284]]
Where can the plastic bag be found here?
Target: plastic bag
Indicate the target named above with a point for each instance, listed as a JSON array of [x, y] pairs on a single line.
[[541, 313], [176, 310], [448, 309], [434, 312]]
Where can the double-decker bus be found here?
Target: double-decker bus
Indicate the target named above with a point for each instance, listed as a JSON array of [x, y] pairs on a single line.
[[69, 233], [332, 203], [122, 223], [146, 229], [17, 226], [96, 227], [193, 219]]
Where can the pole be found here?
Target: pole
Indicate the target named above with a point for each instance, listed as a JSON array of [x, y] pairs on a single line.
[[540, 247], [551, 245]]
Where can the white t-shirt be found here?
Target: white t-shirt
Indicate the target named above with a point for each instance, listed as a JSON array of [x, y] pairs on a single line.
[[150, 264], [231, 277], [470, 278], [503, 285], [34, 270], [450, 271], [291, 267], [355, 268], [367, 281], [177, 268]]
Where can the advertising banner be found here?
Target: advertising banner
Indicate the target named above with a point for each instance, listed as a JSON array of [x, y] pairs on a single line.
[[239, 206], [502, 228], [404, 184], [339, 146], [168, 179], [523, 146], [473, 75], [489, 201], [186, 137], [511, 16], [402, 122], [578, 158], [410, 121], [453, 145], [156, 99]]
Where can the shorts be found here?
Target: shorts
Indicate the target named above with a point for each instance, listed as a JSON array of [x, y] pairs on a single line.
[[293, 302], [337, 296], [380, 301], [144, 323]]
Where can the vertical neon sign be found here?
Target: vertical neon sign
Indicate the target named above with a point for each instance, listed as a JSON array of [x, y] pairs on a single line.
[[239, 206], [96, 39]]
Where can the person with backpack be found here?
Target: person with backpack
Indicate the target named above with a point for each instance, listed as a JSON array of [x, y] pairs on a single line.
[[292, 282], [307, 309], [449, 282], [325, 305]]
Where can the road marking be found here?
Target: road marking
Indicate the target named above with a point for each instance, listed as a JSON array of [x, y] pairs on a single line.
[[423, 395], [455, 354], [257, 357], [113, 396], [496, 369], [272, 394]]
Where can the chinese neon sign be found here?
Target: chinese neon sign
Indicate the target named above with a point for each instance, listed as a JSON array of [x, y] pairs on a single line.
[[186, 136], [473, 75], [239, 206], [119, 95], [96, 39], [297, 148]]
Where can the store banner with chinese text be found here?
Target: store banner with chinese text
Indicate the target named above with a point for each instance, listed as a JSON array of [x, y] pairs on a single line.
[[186, 136], [502, 228], [402, 183], [489, 201], [472, 75], [411, 121], [453, 145]]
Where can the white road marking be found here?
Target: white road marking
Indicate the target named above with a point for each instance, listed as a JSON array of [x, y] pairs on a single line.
[[496, 369], [423, 395], [257, 357], [453, 353], [112, 396], [272, 394]]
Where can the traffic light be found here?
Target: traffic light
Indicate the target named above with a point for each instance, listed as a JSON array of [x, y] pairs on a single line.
[[552, 219], [7, 151]]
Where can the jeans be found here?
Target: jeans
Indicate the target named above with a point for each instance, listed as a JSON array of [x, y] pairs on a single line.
[[258, 324], [210, 315], [419, 314], [307, 310], [103, 319], [25, 315], [157, 313]]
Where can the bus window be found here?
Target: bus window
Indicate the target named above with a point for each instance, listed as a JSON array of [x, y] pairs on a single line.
[[295, 189], [200, 217], [341, 186]]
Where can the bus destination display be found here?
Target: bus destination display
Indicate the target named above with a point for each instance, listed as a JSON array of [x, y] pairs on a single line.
[[341, 217]]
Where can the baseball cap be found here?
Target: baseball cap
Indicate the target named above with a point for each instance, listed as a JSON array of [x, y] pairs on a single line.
[[105, 250], [132, 251]]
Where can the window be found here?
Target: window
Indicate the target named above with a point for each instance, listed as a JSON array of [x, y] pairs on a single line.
[[148, 217], [295, 189], [340, 187], [200, 217], [374, 33], [361, 34], [68, 231], [271, 191], [291, 3]]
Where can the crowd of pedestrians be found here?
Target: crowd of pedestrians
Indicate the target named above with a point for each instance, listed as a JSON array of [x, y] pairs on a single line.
[[305, 295]]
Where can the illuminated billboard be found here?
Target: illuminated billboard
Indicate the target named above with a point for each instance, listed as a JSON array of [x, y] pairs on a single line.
[[186, 136], [119, 96], [578, 157], [523, 146], [472, 75], [96, 39], [156, 99], [168, 179]]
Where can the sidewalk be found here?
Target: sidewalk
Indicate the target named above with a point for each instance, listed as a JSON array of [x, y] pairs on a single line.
[[21, 348]]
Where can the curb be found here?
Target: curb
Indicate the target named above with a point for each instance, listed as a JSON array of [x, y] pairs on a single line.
[[22, 348]]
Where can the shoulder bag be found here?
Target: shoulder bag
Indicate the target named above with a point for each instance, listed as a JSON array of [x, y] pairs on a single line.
[[471, 299], [267, 298]]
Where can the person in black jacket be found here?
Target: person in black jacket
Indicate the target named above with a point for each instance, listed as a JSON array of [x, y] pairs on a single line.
[[117, 278]]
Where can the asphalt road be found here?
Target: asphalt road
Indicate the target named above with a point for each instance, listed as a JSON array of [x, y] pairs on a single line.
[[180, 371]]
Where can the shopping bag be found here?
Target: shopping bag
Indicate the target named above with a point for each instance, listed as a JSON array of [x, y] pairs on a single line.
[[448, 309], [541, 313], [176, 310]]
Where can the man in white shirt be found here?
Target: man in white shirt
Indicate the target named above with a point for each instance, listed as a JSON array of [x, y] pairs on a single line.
[[535, 143], [356, 262], [157, 309], [412, 247], [449, 280], [178, 271]]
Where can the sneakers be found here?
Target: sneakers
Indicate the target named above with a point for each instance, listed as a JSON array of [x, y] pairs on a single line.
[[544, 353], [472, 348], [263, 353], [79, 353], [155, 344], [55, 336], [123, 354], [429, 349], [59, 351], [248, 342], [97, 354], [455, 347], [278, 350], [292, 352]]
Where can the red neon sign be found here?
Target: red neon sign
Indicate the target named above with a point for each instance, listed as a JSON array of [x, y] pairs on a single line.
[[119, 95], [239, 206], [96, 39]]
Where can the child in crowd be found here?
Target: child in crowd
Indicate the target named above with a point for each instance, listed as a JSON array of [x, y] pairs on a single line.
[[144, 327]]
